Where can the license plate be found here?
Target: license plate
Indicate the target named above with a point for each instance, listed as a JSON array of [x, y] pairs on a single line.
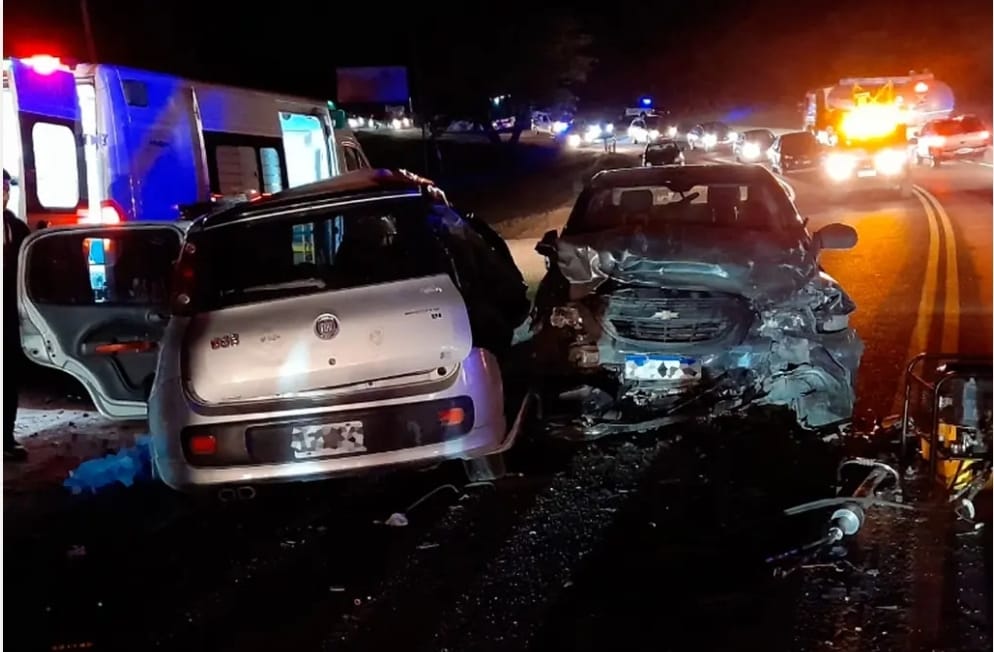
[[866, 173], [661, 367], [327, 440], [964, 150]]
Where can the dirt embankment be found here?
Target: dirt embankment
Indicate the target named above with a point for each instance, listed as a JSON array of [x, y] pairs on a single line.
[[522, 191]]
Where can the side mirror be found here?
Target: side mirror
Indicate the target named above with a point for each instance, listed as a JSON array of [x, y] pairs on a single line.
[[836, 236], [547, 245]]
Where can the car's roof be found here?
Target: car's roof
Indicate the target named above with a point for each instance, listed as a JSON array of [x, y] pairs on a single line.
[[369, 183], [684, 175]]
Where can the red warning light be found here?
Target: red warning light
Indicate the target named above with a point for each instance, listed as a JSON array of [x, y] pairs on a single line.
[[44, 64], [921, 87]]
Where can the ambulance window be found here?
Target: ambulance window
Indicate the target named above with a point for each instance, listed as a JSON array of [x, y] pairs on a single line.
[[237, 170], [57, 174], [272, 174], [135, 93]]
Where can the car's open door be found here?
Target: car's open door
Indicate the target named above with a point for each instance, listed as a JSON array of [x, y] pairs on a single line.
[[93, 303]]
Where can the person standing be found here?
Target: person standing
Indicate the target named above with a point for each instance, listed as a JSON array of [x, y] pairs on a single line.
[[15, 231]]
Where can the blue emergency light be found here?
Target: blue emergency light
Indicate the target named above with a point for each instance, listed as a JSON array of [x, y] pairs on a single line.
[[646, 101]]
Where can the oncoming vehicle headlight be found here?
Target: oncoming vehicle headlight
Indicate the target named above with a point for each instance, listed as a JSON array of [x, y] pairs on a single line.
[[750, 151], [710, 139], [654, 134], [733, 136], [573, 140], [839, 166], [559, 127], [353, 123], [565, 316], [406, 122], [395, 123], [890, 161], [593, 132], [671, 132]]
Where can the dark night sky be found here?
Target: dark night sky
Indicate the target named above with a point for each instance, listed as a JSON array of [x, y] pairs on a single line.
[[728, 49]]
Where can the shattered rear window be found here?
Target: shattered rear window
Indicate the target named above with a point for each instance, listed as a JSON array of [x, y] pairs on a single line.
[[721, 205]]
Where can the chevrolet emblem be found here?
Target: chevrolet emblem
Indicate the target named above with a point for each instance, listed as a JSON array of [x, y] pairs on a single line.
[[666, 314]]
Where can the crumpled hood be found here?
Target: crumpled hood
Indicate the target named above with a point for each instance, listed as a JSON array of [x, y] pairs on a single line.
[[758, 265]]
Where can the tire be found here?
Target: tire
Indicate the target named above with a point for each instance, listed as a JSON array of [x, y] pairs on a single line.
[[485, 469]]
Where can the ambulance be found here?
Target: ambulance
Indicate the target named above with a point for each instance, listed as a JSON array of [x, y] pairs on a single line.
[[104, 144]]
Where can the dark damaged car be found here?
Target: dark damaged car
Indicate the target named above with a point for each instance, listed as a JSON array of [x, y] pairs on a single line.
[[695, 291]]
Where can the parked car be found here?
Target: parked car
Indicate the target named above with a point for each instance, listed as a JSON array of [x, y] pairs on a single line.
[[338, 327], [795, 152], [962, 137], [663, 152], [691, 291]]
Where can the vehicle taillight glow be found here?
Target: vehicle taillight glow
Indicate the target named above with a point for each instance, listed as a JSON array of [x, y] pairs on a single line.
[[985, 134], [203, 445], [110, 213], [44, 64], [452, 416]]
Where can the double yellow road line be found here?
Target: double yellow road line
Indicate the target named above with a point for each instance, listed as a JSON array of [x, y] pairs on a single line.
[[938, 221]]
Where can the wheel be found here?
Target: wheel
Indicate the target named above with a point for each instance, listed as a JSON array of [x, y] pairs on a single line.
[[485, 469]]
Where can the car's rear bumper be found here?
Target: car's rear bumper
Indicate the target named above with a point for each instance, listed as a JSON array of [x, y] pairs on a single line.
[[965, 152], [256, 448]]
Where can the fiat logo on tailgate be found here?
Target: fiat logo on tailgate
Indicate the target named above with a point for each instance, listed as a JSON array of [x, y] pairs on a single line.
[[326, 326]]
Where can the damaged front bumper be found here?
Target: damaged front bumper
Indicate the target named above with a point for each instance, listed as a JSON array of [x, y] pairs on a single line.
[[608, 372]]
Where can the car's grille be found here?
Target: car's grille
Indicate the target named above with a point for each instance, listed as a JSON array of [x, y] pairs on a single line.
[[673, 316]]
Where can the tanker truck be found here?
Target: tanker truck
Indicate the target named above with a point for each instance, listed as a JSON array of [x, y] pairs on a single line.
[[919, 96]]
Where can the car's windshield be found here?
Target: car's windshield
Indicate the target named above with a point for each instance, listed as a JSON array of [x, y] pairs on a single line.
[[802, 142], [308, 252], [739, 205], [757, 136]]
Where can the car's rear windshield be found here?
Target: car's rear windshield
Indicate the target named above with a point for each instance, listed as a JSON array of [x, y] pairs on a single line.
[[315, 251], [742, 205]]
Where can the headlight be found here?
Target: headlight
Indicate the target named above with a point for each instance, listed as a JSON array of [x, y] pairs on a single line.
[[750, 151], [710, 139], [592, 133], [733, 136], [609, 128], [671, 132], [559, 127], [353, 123], [840, 166], [654, 134], [406, 122], [890, 161], [573, 140], [395, 123]]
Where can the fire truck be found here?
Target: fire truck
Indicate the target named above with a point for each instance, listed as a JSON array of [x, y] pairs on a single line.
[[867, 139], [920, 96]]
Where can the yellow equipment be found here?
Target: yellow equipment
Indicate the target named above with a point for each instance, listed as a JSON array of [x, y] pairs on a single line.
[[948, 409]]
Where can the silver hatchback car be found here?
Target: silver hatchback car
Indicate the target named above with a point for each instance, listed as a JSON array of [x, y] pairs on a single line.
[[352, 324]]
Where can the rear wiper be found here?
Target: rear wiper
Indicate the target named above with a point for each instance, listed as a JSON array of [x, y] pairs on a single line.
[[289, 285]]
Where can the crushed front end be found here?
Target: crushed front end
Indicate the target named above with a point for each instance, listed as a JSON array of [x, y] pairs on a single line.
[[627, 356]]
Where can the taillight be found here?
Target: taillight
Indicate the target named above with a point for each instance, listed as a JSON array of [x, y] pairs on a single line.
[[451, 417], [110, 213], [203, 445], [183, 281]]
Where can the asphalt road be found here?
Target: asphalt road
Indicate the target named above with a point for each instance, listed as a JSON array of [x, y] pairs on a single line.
[[634, 543]]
